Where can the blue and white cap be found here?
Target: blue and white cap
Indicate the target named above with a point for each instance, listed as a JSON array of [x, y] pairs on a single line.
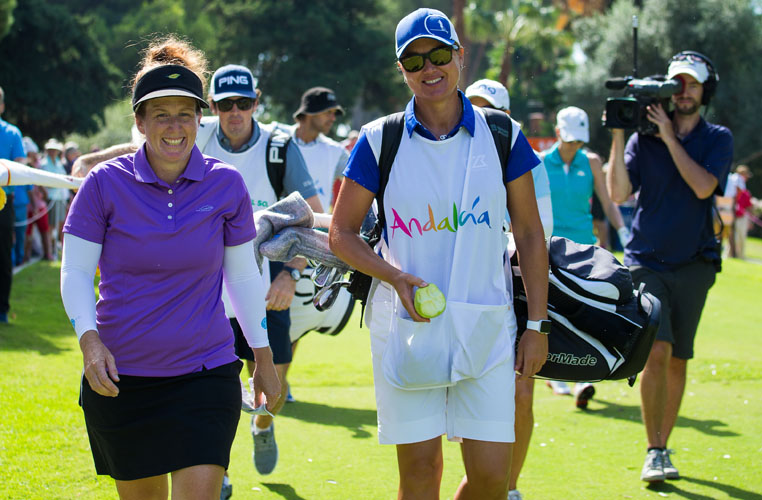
[[425, 23], [490, 90], [233, 81]]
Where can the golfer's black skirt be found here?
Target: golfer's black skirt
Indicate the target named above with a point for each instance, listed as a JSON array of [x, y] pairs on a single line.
[[157, 425]]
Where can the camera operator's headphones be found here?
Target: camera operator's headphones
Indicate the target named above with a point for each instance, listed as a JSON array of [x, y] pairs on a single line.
[[710, 85]]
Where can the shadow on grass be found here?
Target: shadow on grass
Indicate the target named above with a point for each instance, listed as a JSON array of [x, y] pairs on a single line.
[[285, 490], [711, 427], [352, 418], [19, 337], [673, 487], [38, 321]]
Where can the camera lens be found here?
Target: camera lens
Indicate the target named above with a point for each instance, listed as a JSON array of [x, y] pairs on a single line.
[[627, 114]]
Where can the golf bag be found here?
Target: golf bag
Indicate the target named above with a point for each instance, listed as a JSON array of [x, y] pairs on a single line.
[[601, 328]]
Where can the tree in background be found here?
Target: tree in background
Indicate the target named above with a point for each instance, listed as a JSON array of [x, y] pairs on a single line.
[[6, 16], [728, 32], [54, 72], [526, 48], [291, 45]]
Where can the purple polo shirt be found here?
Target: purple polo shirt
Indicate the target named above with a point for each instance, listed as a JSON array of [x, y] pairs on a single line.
[[160, 312]]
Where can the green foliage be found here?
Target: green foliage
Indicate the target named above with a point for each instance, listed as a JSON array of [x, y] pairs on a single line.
[[54, 72], [523, 46], [341, 44], [116, 129], [6, 16], [327, 438], [667, 27]]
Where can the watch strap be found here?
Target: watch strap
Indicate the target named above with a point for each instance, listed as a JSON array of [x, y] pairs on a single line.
[[293, 272], [542, 326]]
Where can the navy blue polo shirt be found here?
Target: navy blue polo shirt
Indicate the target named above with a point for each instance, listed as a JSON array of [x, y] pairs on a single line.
[[672, 226]]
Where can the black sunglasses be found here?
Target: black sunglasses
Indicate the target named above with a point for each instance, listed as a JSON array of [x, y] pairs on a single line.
[[439, 56], [244, 104]]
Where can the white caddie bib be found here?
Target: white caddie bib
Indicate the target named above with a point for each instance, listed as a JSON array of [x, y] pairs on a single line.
[[444, 205]]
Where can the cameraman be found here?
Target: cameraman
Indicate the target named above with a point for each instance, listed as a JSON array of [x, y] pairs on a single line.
[[672, 249]]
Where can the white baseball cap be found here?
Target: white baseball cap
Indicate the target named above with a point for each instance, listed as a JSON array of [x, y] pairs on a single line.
[[490, 90], [690, 66], [573, 125]]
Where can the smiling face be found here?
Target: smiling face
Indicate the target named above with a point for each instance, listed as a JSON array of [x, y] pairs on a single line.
[[170, 125], [688, 101], [432, 83]]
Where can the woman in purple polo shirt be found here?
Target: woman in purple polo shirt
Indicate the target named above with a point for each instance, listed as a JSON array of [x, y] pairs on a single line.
[[166, 225]]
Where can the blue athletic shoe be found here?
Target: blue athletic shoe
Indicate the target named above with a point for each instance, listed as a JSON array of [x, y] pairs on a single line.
[[265, 448], [289, 397]]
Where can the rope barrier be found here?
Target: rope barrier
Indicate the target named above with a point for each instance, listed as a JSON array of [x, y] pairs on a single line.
[[37, 216]]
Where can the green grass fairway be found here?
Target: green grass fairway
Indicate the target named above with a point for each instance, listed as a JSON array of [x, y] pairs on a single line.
[[327, 439]]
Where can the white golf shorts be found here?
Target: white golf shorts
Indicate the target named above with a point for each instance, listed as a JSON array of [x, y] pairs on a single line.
[[480, 409]]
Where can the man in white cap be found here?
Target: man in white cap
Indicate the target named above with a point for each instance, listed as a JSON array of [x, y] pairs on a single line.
[[673, 250], [489, 93]]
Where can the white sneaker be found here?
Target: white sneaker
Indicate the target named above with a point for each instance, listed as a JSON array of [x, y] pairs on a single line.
[[514, 495], [670, 471], [559, 388], [653, 468]]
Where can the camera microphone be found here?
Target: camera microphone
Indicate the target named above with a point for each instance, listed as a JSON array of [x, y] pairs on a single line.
[[655, 88], [617, 83]]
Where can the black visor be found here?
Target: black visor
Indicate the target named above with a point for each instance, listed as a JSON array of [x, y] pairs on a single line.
[[170, 80]]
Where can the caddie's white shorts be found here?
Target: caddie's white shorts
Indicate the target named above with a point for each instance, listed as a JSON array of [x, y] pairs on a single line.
[[480, 409]]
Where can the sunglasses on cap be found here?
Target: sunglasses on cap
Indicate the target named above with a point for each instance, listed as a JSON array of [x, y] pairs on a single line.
[[688, 57], [243, 103], [439, 56]]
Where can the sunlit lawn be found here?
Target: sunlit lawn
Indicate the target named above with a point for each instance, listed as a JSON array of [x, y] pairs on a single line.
[[327, 439]]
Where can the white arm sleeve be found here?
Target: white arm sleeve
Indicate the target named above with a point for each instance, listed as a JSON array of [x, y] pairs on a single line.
[[247, 292], [78, 264]]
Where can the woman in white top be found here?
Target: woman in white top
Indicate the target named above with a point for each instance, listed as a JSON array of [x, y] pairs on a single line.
[[444, 205]]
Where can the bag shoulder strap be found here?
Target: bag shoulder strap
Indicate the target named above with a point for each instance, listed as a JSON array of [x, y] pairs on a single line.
[[502, 132], [277, 145], [394, 126]]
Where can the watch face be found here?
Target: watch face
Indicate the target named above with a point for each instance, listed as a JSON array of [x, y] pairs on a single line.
[[296, 275], [545, 326]]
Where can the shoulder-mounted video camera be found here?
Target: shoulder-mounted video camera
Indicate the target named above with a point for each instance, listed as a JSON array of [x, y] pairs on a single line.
[[629, 112]]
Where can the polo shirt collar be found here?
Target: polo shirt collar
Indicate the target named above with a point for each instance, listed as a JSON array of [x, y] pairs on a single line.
[[698, 129], [225, 142], [467, 120], [194, 171]]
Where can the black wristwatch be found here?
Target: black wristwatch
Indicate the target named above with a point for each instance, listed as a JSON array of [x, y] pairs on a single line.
[[295, 274], [542, 326]]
